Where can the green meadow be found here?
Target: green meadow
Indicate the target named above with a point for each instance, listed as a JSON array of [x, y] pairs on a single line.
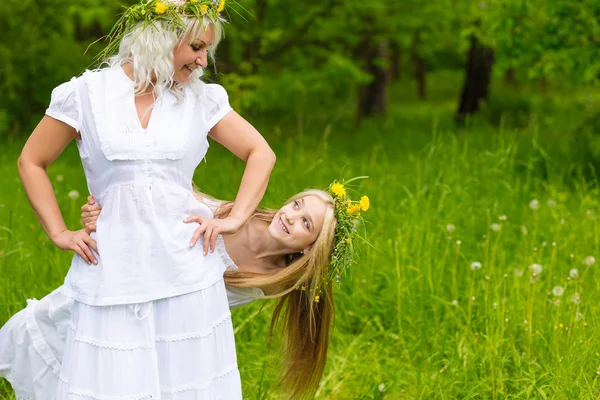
[[481, 277]]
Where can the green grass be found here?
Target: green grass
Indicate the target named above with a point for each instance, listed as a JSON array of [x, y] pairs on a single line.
[[414, 321]]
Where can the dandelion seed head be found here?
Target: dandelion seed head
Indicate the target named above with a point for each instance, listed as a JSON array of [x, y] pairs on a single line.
[[578, 316], [472, 298], [454, 302], [589, 261], [73, 194], [524, 230], [556, 302], [450, 228], [553, 244], [495, 305], [558, 291], [576, 298], [574, 273], [518, 272], [562, 221], [503, 218], [495, 227], [544, 244], [534, 204], [60, 178], [536, 269], [551, 203], [572, 255], [381, 387], [475, 265], [458, 242]]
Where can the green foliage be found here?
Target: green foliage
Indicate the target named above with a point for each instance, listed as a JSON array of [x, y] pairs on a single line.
[[413, 319]]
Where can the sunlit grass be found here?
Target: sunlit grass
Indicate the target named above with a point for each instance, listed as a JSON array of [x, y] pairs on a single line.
[[448, 303]]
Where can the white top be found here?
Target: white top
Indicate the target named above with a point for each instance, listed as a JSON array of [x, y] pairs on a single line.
[[237, 296], [142, 178]]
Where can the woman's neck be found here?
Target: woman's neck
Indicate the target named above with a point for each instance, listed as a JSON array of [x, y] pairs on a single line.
[[252, 248]]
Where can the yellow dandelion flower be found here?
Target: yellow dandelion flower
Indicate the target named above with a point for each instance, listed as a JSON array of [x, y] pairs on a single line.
[[353, 209], [317, 298], [204, 8], [365, 203], [348, 240], [160, 8], [221, 6], [143, 12], [193, 1], [338, 189]]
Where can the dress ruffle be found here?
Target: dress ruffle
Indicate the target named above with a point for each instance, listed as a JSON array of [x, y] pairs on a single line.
[[177, 348]]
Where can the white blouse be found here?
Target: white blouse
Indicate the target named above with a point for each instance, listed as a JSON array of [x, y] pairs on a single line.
[[142, 178]]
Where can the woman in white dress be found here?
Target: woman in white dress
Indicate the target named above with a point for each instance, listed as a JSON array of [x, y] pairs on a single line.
[[286, 254], [149, 316]]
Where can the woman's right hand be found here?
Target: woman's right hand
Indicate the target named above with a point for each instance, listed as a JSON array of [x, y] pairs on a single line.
[[89, 214], [78, 241]]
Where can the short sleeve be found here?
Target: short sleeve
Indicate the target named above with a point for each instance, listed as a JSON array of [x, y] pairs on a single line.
[[218, 104], [64, 105]]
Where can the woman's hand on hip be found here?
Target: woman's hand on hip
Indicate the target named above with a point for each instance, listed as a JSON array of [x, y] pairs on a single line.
[[78, 241], [211, 228], [89, 214]]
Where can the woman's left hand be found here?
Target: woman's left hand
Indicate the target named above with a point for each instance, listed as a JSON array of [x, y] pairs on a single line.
[[212, 228]]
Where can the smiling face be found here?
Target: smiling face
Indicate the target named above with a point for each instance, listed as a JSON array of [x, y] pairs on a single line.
[[191, 54], [298, 224]]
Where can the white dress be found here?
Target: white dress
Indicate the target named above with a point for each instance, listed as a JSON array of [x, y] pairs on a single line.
[[32, 343], [152, 319]]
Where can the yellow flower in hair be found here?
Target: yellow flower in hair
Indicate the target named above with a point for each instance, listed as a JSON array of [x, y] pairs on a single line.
[[193, 1], [365, 203], [143, 12], [353, 209], [160, 8], [317, 297], [204, 8], [221, 6], [338, 189], [348, 240]]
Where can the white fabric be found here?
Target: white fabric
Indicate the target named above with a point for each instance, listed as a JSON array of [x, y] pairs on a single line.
[[171, 349], [142, 178]]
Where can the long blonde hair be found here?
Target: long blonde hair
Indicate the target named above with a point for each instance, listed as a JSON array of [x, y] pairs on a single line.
[[305, 307]]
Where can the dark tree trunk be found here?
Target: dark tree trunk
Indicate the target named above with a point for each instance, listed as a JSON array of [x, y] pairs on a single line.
[[477, 79], [510, 76], [419, 67], [373, 95], [251, 52], [395, 62]]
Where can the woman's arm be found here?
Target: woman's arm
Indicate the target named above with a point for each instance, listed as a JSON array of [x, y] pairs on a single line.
[[243, 140], [46, 143]]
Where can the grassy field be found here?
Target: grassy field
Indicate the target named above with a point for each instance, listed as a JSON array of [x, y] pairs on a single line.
[[484, 266]]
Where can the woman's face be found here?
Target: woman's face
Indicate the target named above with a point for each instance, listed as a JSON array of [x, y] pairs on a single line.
[[298, 224], [187, 56]]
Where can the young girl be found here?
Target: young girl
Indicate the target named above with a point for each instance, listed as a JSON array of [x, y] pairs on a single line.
[[286, 254], [149, 314]]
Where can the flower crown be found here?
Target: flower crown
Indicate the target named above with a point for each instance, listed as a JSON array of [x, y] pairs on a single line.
[[170, 11], [348, 215]]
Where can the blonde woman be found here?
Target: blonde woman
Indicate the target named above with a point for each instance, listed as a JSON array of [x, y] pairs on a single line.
[[285, 254], [148, 315]]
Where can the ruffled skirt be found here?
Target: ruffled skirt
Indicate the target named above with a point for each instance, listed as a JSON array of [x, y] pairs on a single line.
[[177, 348]]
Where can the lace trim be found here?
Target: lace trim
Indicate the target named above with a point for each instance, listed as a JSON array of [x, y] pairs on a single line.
[[194, 335], [114, 346], [213, 379], [171, 391], [220, 247]]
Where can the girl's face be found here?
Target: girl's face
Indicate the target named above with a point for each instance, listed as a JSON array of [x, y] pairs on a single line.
[[189, 55], [298, 224]]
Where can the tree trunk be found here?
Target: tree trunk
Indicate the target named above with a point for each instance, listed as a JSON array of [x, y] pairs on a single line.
[[373, 95], [419, 67], [395, 62], [477, 79], [510, 76]]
